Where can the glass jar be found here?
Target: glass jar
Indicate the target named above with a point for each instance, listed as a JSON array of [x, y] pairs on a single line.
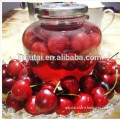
[[62, 31]]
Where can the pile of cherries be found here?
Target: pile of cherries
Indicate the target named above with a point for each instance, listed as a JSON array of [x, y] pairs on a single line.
[[25, 90]]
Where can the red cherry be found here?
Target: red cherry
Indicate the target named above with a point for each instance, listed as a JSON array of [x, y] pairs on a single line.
[[107, 87], [65, 106], [99, 98], [46, 101], [58, 43], [7, 84], [21, 90], [28, 79], [113, 78], [106, 78], [48, 86], [80, 42], [113, 69], [28, 74], [12, 102], [26, 63], [14, 68], [87, 84], [83, 103], [55, 64], [95, 38], [4, 66], [117, 88], [69, 64], [30, 106], [4, 73], [30, 36], [14, 60], [112, 61], [103, 66], [71, 84], [39, 48]]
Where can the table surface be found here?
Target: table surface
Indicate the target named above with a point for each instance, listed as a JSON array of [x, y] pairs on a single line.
[[16, 21]]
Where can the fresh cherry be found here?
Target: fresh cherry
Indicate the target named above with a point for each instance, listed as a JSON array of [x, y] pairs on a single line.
[[95, 38], [87, 84], [7, 84], [30, 106], [4, 71], [46, 101], [83, 103], [107, 87], [14, 60], [99, 98], [58, 43], [113, 78], [117, 88], [103, 66], [113, 70], [49, 86], [14, 68], [21, 90], [65, 106], [28, 79], [70, 84], [106, 78], [80, 42], [12, 102]]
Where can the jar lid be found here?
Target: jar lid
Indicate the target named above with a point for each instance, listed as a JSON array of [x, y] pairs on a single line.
[[61, 9]]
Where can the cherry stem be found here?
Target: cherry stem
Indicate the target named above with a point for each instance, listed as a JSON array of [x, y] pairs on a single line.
[[56, 86], [70, 94], [40, 84], [114, 83], [111, 57]]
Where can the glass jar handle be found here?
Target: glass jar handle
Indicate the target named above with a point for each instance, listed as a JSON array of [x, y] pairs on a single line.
[[113, 17]]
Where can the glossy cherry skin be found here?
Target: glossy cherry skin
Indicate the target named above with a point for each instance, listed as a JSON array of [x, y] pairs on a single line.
[[46, 101], [107, 87], [83, 103], [113, 70], [106, 78], [99, 98], [95, 38], [117, 88], [103, 66], [28, 79], [58, 43], [14, 68], [112, 61], [7, 84], [28, 74], [21, 90], [4, 73], [113, 78], [65, 106], [70, 84], [49, 86], [80, 42], [87, 84], [12, 102], [30, 106], [4, 66], [14, 60]]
